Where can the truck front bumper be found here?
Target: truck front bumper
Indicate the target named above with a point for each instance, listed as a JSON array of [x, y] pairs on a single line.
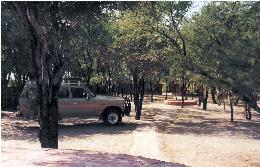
[[127, 109]]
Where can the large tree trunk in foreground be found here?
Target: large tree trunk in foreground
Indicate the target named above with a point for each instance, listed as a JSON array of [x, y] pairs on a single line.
[[48, 71], [48, 68], [48, 120]]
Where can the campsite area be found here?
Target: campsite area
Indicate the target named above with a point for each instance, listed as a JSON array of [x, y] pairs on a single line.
[[188, 136]]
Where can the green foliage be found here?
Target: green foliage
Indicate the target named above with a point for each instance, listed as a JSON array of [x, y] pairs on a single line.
[[223, 44], [217, 47], [140, 48], [86, 43], [15, 48], [97, 79]]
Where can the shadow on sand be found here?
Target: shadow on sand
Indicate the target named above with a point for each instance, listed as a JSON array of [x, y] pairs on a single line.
[[62, 157], [20, 129], [188, 121]]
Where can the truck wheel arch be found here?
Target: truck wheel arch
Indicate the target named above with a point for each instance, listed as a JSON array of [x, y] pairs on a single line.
[[118, 109]]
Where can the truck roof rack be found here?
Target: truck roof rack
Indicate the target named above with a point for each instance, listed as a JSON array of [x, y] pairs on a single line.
[[64, 82], [72, 83]]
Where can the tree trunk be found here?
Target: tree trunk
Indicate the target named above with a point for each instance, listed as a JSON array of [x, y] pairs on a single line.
[[201, 95], [225, 99], [48, 120], [200, 100], [182, 93], [48, 67], [247, 108], [249, 115], [131, 91], [109, 81], [251, 100], [192, 91], [213, 94], [166, 84], [151, 89], [185, 91], [231, 108], [205, 100], [138, 94], [175, 89]]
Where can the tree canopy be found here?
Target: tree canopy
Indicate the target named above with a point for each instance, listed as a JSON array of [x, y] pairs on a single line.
[[130, 44]]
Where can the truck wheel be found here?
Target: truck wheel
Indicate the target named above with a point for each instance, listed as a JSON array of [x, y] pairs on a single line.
[[113, 117]]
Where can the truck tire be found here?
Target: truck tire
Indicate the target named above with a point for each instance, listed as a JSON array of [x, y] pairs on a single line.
[[113, 117]]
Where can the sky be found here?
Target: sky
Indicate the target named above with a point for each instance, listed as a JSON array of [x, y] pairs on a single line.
[[197, 5]]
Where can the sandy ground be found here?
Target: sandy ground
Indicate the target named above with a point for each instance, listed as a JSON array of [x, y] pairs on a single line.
[[77, 158], [188, 136]]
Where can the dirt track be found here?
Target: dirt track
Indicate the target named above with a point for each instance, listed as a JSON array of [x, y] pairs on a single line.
[[186, 136]]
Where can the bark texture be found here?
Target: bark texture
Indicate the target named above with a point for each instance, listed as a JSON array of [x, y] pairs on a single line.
[[138, 95], [205, 100], [48, 69]]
